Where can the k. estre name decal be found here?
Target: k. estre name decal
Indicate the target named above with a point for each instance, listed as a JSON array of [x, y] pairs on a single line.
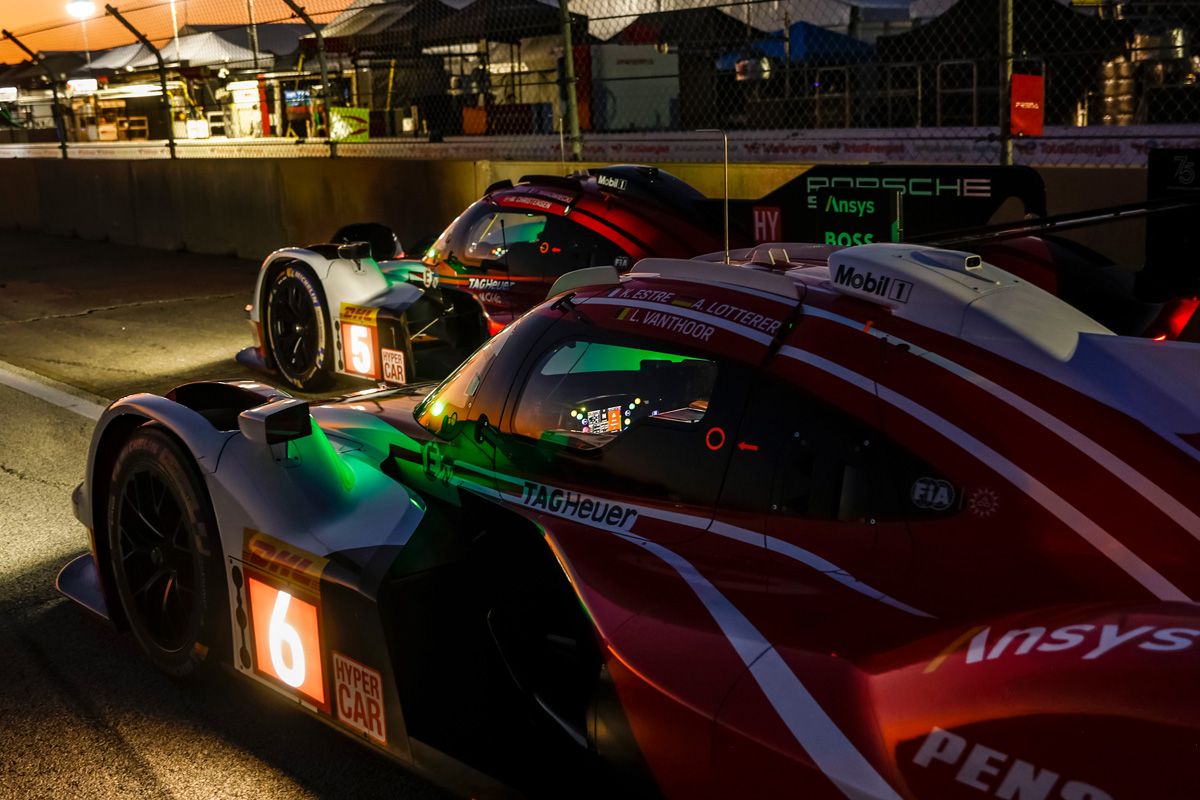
[[718, 309], [581, 507]]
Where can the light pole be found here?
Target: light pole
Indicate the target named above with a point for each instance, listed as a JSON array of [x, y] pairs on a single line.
[[253, 30], [175, 29], [81, 10]]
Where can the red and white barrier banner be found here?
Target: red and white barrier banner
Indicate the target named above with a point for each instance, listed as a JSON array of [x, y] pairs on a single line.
[[1105, 146]]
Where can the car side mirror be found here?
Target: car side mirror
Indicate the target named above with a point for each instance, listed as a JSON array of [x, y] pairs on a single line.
[[484, 432], [354, 251], [384, 244], [277, 422]]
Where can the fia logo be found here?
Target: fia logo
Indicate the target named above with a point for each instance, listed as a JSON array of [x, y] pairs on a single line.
[[932, 493]]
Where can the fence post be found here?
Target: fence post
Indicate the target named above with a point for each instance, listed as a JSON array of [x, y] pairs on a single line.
[[312, 26], [569, 77], [164, 99], [1006, 71], [60, 131]]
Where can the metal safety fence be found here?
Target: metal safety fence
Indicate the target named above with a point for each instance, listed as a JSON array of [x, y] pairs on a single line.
[[969, 81]]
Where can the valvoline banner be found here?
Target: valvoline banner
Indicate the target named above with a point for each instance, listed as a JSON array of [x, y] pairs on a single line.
[[1028, 105]]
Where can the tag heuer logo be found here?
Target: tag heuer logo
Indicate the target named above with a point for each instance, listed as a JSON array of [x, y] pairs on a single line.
[[884, 286], [609, 182]]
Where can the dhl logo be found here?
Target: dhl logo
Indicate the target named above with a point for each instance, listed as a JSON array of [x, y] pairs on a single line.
[[271, 556], [360, 315]]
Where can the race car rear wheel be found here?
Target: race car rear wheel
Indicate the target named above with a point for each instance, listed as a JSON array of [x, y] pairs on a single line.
[[162, 543], [298, 328]]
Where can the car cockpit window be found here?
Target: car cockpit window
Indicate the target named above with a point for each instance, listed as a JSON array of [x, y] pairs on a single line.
[[492, 236], [586, 394], [451, 402]]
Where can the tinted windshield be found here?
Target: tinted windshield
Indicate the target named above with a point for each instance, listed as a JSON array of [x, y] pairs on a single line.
[[586, 394], [451, 402]]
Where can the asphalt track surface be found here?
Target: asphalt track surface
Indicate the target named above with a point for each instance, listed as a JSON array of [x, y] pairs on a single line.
[[82, 714]]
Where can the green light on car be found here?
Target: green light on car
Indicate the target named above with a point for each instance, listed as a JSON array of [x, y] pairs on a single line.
[[438, 407]]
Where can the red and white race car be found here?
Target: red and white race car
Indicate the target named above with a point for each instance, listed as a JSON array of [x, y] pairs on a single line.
[[359, 308], [887, 522]]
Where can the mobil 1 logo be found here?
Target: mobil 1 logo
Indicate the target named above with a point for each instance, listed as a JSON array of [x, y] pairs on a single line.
[[848, 217], [875, 287]]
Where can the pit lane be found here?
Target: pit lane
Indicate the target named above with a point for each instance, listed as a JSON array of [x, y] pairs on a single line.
[[82, 714]]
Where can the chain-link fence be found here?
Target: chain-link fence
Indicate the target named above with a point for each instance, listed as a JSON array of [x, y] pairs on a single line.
[[977, 81]]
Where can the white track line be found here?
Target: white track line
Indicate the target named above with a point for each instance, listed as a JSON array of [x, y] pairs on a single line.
[[59, 394]]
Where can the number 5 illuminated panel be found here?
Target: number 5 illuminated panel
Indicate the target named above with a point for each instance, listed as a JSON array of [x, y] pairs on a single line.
[[360, 340], [286, 630]]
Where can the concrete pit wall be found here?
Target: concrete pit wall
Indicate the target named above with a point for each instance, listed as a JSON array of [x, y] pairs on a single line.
[[249, 207]]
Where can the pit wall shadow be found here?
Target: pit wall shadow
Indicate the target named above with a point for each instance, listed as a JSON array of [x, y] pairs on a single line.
[[249, 207]]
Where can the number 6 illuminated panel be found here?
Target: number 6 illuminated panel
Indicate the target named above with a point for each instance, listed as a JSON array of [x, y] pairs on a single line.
[[287, 639]]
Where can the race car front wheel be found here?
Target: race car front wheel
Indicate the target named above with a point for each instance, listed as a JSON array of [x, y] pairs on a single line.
[[163, 548], [298, 328]]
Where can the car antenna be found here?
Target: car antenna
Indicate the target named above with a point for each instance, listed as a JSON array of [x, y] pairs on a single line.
[[562, 143], [725, 139], [504, 244]]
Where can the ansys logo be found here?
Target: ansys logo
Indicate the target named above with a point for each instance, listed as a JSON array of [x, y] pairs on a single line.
[[858, 208], [883, 286]]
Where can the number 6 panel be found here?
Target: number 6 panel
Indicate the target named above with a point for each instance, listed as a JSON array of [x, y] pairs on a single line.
[[318, 643]]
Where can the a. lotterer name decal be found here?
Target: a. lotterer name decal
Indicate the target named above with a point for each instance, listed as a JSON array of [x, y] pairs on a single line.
[[574, 505]]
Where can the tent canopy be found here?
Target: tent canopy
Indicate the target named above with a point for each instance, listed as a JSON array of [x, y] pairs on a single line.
[[277, 38], [382, 25], [805, 42], [373, 17], [117, 58], [501, 21], [697, 29], [195, 50]]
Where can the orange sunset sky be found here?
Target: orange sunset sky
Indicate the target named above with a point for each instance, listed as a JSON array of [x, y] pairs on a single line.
[[45, 25]]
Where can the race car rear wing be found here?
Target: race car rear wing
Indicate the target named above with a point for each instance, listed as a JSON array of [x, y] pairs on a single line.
[[1055, 223], [1171, 210], [935, 198]]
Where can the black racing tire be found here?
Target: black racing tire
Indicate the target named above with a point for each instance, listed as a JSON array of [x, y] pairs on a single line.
[[165, 552], [298, 328]]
